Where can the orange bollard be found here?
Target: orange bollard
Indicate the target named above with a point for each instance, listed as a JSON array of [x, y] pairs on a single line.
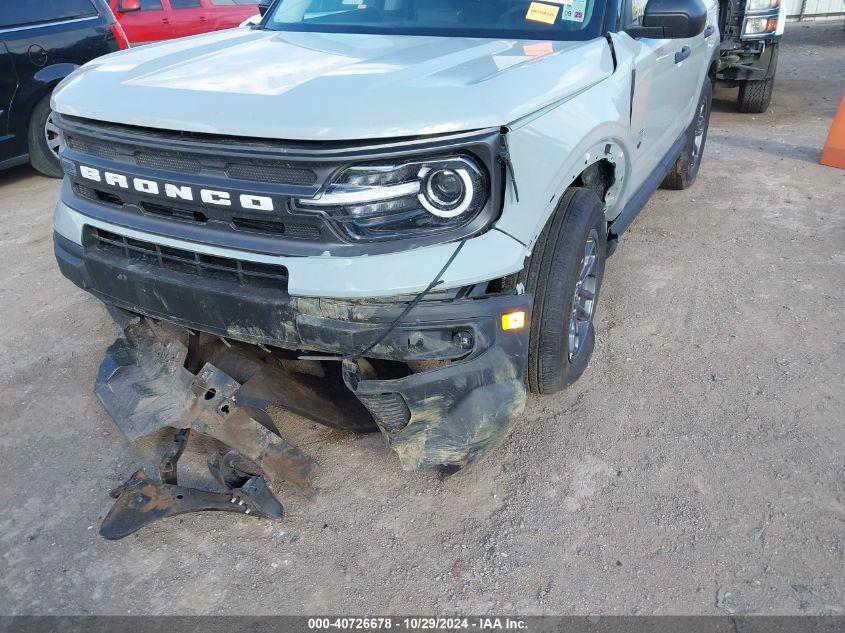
[[833, 153]]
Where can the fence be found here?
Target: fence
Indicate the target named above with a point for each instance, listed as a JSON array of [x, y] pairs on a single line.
[[814, 9]]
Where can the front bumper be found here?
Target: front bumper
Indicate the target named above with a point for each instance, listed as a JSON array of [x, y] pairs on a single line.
[[447, 415], [749, 64]]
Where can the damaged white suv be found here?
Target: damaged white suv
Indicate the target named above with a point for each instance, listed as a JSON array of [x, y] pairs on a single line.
[[401, 207]]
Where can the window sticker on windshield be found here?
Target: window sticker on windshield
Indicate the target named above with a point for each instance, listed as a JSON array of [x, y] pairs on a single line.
[[545, 13], [574, 12]]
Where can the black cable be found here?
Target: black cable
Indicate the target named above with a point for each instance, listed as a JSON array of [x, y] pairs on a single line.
[[408, 308]]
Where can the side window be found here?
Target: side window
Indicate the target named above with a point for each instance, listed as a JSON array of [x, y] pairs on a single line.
[[185, 4], [24, 12], [151, 5]]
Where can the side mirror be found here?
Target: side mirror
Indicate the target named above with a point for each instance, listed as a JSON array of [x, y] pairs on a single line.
[[127, 6], [264, 6], [671, 19]]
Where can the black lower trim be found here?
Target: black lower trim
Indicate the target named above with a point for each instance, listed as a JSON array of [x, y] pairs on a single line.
[[269, 316], [647, 189]]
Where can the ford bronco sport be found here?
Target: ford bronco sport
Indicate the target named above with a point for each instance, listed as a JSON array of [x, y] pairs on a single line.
[[403, 206]]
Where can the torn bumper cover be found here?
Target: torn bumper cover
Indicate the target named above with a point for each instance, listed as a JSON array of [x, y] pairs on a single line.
[[443, 386]]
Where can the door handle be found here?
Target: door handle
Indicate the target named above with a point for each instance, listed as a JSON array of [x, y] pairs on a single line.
[[682, 54], [709, 30], [203, 18]]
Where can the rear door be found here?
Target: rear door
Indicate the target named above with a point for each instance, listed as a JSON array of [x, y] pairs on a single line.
[[8, 86], [149, 24], [188, 17], [227, 14]]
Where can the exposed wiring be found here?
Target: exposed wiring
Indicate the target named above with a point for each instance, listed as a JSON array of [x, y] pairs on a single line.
[[392, 327], [505, 159]]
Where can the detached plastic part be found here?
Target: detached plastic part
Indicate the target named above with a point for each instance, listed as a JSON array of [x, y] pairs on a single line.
[[144, 385], [141, 501]]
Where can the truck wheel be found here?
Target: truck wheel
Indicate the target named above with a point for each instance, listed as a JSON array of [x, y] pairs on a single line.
[[44, 140], [755, 96], [685, 169], [564, 273]]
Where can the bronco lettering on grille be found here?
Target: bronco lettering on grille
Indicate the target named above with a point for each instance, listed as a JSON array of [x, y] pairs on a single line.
[[176, 192]]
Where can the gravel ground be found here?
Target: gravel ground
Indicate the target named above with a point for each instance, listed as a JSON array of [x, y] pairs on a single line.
[[696, 468]]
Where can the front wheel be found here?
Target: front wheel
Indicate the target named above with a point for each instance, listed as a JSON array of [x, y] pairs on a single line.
[[564, 273], [755, 96], [685, 169]]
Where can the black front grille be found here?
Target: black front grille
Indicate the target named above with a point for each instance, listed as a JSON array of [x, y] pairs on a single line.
[[292, 230], [93, 147], [252, 169], [257, 172], [168, 161], [174, 213], [244, 273], [288, 229]]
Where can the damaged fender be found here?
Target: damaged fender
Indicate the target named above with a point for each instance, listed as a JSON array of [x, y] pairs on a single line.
[[450, 416]]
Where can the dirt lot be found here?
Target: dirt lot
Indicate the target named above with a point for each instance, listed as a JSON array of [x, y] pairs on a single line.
[[698, 466]]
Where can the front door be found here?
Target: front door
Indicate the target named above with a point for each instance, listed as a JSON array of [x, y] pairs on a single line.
[[667, 80]]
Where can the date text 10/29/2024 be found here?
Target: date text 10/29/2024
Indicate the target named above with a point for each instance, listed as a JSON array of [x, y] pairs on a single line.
[[417, 624]]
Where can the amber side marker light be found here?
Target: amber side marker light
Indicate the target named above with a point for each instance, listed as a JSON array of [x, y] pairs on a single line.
[[513, 320]]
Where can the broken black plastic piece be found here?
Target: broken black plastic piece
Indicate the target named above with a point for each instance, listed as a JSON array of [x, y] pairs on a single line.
[[141, 501]]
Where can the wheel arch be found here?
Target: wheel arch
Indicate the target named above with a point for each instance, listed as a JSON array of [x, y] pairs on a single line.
[[551, 150], [40, 86], [602, 166]]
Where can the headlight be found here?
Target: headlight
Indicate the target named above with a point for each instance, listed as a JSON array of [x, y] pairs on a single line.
[[390, 200], [761, 5], [758, 26]]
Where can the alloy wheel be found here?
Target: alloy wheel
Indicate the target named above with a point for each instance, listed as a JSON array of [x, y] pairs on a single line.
[[52, 135], [584, 300], [700, 129]]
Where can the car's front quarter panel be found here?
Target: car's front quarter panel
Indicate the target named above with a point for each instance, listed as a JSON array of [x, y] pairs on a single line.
[[551, 149]]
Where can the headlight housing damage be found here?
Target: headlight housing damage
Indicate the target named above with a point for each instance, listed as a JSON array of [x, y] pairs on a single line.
[[402, 198]]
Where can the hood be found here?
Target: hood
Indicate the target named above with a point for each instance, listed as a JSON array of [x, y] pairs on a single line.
[[320, 86]]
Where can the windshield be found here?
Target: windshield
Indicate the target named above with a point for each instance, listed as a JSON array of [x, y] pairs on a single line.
[[510, 19]]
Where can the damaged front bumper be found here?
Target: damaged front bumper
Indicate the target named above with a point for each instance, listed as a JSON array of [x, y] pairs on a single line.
[[444, 386]]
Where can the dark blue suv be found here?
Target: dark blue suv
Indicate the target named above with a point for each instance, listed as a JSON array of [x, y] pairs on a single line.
[[41, 43]]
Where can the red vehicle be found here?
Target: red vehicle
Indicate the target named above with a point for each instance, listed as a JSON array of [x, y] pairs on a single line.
[[155, 20]]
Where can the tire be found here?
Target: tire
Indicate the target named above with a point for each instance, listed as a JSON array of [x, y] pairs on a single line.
[[41, 155], [755, 96], [684, 171], [552, 274]]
